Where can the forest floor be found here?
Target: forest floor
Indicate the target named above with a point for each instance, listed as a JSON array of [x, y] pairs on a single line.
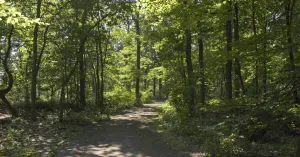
[[131, 133]]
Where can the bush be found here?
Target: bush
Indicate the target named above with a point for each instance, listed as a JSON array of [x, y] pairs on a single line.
[[147, 97], [119, 98]]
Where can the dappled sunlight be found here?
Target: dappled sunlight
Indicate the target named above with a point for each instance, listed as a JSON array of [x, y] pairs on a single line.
[[125, 135]]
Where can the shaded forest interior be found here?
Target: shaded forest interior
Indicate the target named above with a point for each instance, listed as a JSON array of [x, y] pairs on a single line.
[[228, 70]]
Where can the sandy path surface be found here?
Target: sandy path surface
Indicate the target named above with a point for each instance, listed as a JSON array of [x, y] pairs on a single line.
[[125, 135]]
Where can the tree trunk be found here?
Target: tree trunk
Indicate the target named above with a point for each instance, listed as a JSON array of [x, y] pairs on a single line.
[[34, 63], [298, 149], [190, 78], [138, 60], [238, 79], [256, 83], [154, 87], [3, 92], [97, 79], [160, 89], [65, 82], [229, 49], [202, 71], [101, 96], [289, 17], [265, 73], [82, 73], [145, 84], [27, 92]]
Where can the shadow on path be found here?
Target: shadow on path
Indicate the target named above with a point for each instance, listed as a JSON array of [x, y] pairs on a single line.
[[125, 135]]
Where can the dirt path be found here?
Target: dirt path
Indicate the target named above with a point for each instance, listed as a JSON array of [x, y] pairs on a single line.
[[125, 135]]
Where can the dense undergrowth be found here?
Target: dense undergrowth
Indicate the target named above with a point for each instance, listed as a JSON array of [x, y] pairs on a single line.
[[229, 129]]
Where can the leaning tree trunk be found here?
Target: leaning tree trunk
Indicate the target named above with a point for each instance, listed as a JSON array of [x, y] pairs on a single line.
[[10, 76], [65, 82]]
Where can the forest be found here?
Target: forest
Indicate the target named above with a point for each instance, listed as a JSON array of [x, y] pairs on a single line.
[[227, 72]]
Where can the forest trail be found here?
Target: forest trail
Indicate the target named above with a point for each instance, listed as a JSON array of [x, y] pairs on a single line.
[[125, 135]]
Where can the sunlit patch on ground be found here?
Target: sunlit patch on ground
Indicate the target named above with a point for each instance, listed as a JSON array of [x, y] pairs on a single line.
[[125, 135]]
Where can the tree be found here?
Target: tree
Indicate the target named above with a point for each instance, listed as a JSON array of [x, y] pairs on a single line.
[[3, 92], [229, 49]]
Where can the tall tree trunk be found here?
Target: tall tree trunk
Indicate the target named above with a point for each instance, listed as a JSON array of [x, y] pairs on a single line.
[[97, 79], [82, 73], [289, 18], [138, 60], [190, 77], [229, 49], [101, 96], [238, 79], [256, 83], [265, 73], [34, 63], [3, 92], [202, 71]]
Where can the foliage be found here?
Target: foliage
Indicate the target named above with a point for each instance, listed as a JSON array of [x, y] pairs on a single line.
[[219, 133]]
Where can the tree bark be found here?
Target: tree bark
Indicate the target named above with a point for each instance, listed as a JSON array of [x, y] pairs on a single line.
[[160, 89], [237, 66], [154, 87], [3, 92], [229, 49], [138, 60], [190, 77], [202, 71], [65, 82], [256, 83], [289, 17], [34, 63]]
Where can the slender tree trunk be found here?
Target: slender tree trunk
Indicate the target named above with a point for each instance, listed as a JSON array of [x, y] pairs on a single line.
[[3, 92], [256, 83], [229, 49], [82, 73], [102, 107], [202, 72], [145, 84], [160, 89], [154, 87], [265, 73], [238, 79], [289, 18], [34, 63], [97, 79], [138, 60], [27, 92], [65, 82], [190, 77]]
